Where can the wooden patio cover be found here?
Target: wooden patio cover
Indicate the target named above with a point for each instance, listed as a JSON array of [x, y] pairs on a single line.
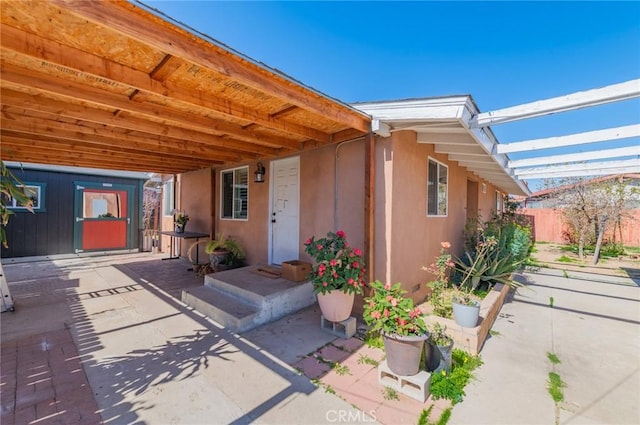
[[112, 85]]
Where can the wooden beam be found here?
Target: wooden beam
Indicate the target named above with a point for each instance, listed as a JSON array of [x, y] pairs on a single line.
[[98, 154], [165, 68], [146, 28], [583, 99], [39, 123], [73, 146], [91, 65], [26, 80], [85, 113], [617, 133], [11, 152]]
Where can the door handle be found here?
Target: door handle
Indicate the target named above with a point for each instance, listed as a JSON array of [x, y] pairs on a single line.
[[273, 220]]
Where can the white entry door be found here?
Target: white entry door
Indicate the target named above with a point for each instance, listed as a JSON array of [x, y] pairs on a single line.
[[285, 209]]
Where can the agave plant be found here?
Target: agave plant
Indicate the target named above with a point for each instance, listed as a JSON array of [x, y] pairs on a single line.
[[487, 264]]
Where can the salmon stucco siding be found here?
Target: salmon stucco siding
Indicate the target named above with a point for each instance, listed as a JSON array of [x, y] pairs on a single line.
[[406, 237]]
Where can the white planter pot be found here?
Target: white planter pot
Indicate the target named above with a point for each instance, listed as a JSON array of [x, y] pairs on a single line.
[[466, 315]]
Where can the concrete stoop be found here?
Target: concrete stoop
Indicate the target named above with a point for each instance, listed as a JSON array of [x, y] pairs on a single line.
[[241, 300]]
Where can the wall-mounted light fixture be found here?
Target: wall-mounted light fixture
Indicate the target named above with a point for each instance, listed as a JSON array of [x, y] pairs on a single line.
[[258, 176]]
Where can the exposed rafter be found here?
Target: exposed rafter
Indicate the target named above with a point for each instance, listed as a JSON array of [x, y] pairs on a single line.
[[112, 84]]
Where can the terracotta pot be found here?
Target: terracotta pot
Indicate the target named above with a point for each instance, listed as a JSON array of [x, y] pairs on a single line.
[[466, 315], [404, 353], [336, 306]]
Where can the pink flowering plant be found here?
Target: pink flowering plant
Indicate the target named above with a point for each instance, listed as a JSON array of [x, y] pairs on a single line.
[[389, 311], [338, 266], [441, 287]]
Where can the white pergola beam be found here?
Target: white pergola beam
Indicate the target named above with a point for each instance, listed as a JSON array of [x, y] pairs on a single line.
[[585, 173], [611, 166], [583, 99], [576, 157], [625, 132]]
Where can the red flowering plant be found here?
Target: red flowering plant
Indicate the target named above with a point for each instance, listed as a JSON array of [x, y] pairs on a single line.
[[338, 265], [389, 311]]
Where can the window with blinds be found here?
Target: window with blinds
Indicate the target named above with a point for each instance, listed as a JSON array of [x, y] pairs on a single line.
[[235, 194]]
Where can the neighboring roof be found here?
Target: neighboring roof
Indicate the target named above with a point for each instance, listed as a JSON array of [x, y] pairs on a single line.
[[552, 190], [118, 86], [79, 170], [445, 123]]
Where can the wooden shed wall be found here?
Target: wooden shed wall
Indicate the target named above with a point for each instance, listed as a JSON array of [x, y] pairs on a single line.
[[51, 232]]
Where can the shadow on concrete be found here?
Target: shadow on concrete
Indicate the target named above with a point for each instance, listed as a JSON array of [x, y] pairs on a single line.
[[194, 351], [586, 313], [595, 294], [48, 299], [589, 277], [633, 273]]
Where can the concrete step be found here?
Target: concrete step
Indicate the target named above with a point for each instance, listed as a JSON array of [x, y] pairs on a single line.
[[231, 312], [241, 300]]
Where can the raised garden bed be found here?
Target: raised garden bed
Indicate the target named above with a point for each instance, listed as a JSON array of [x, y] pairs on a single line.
[[472, 339]]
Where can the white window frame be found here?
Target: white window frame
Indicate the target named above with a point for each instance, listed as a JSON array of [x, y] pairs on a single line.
[[233, 209], [446, 192], [499, 202], [167, 201], [39, 189]]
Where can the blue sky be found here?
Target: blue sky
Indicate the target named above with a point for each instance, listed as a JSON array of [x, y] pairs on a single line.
[[502, 53]]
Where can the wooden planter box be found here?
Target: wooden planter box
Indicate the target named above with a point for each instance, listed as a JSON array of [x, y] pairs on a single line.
[[472, 339]]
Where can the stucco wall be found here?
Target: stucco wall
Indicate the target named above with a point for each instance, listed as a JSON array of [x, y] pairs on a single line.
[[406, 238], [317, 201], [194, 198], [317, 193], [250, 233], [416, 238]]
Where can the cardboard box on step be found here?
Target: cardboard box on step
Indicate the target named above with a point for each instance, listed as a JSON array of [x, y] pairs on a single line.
[[296, 270]]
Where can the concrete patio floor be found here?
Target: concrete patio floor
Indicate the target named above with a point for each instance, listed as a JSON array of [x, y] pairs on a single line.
[[106, 340], [593, 328], [142, 356]]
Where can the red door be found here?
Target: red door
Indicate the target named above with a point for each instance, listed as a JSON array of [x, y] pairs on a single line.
[[104, 220]]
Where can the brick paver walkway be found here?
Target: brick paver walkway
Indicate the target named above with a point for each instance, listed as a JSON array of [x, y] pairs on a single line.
[[43, 382]]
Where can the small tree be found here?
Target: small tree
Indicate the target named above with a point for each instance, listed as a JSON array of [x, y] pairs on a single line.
[[11, 188], [591, 207]]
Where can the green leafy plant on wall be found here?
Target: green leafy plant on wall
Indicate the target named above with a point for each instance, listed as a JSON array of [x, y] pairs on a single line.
[[11, 188]]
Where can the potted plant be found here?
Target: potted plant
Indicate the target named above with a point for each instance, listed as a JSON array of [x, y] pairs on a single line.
[[223, 250], [337, 275], [180, 219], [481, 265], [401, 323], [235, 257], [440, 347]]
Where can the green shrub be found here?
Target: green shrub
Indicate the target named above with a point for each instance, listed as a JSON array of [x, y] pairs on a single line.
[[451, 385]]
